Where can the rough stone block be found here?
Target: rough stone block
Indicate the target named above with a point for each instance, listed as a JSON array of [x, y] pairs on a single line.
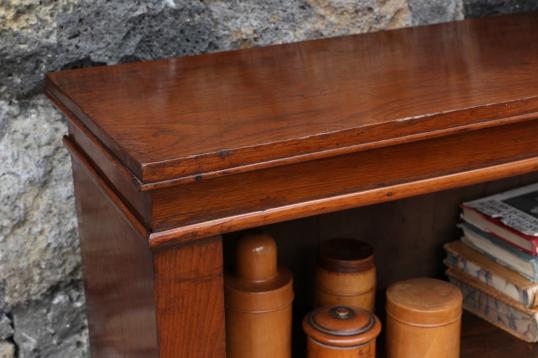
[[478, 8], [435, 11], [7, 350]]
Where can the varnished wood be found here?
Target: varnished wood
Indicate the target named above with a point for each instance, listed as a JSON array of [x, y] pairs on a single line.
[[83, 161], [226, 203], [138, 300], [118, 275], [190, 300], [171, 154], [189, 116]]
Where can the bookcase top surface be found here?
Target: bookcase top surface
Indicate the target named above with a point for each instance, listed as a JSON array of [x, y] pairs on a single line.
[[183, 118]]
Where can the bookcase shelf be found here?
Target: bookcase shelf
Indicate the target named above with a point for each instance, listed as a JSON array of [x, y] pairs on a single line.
[[378, 136], [482, 339]]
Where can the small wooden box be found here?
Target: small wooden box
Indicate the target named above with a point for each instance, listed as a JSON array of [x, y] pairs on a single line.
[[423, 319], [346, 275]]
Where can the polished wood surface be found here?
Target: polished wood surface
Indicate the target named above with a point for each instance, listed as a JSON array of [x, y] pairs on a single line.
[[223, 112], [259, 298], [189, 295], [342, 182], [367, 163], [138, 299], [168, 155], [118, 275]]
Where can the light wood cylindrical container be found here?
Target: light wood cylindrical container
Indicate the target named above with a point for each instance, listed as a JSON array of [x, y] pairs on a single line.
[[258, 302], [423, 319], [341, 332], [346, 274]]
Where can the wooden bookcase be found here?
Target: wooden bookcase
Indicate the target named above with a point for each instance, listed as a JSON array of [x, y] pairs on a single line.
[[378, 136]]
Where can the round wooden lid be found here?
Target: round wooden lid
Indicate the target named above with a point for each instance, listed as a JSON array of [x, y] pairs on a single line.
[[346, 255], [341, 326], [424, 302]]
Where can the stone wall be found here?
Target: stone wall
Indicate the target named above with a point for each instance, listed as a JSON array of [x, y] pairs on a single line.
[[41, 299]]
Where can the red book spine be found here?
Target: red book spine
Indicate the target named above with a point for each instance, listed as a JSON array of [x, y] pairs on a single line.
[[533, 240]]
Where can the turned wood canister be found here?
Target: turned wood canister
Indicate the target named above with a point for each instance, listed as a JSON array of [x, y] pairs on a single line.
[[423, 319], [345, 275], [258, 301], [341, 332]]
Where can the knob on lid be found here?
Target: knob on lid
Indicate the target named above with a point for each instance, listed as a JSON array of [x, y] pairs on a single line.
[[341, 326], [346, 255], [258, 284], [256, 258]]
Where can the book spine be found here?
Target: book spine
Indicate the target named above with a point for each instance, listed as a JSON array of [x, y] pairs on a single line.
[[500, 284], [499, 223], [521, 324], [533, 277]]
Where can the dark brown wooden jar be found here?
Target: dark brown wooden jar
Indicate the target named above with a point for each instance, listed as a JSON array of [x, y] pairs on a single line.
[[346, 274], [423, 319], [258, 302], [341, 332]]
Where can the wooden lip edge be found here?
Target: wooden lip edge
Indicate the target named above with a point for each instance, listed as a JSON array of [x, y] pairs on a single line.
[[95, 141], [117, 202], [51, 90], [278, 162], [69, 108], [340, 202], [189, 233]]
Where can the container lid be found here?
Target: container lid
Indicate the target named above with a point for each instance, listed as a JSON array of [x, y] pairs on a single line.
[[346, 255], [258, 284], [341, 326], [424, 302]]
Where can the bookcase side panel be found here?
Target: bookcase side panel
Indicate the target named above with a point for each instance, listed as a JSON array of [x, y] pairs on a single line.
[[118, 275]]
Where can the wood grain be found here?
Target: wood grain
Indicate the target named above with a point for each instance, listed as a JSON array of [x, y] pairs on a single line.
[[170, 154], [187, 116], [225, 204], [190, 300], [118, 275]]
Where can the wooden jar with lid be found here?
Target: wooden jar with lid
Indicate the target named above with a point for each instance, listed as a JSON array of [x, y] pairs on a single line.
[[423, 319], [258, 302], [341, 332], [345, 275]]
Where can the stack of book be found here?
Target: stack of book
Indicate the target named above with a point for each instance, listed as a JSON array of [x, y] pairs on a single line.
[[495, 263]]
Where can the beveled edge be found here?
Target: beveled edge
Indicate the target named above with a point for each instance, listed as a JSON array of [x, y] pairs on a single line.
[[187, 233], [102, 184], [341, 202], [490, 115]]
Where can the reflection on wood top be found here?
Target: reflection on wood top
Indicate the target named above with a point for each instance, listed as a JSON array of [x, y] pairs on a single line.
[[233, 111]]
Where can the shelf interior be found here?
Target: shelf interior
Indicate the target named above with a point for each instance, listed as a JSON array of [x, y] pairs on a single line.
[[408, 237]]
